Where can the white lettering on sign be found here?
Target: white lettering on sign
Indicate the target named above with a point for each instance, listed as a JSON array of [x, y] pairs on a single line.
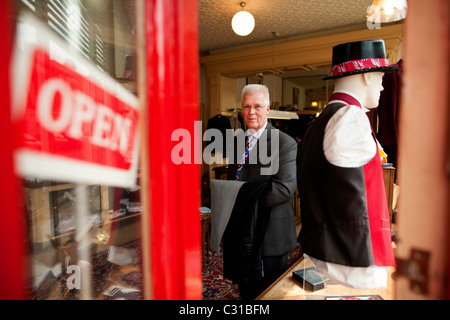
[[76, 111], [45, 102]]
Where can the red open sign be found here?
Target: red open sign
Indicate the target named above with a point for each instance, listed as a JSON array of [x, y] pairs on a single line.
[[79, 126]]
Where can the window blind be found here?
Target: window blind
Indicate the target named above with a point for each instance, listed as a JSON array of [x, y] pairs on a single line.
[[68, 19]]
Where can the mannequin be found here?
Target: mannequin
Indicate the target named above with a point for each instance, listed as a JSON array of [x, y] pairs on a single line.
[[345, 221], [366, 89]]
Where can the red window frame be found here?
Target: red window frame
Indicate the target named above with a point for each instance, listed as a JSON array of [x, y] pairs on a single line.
[[173, 264]]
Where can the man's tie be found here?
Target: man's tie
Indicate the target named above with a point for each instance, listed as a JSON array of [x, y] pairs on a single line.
[[248, 147]]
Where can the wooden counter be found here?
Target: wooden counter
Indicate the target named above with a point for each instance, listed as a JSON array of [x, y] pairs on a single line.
[[286, 288]]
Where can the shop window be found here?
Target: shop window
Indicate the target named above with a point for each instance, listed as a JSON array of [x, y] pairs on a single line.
[[85, 240]]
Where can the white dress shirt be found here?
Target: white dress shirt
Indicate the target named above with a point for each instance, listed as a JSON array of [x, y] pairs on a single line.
[[348, 140], [256, 135]]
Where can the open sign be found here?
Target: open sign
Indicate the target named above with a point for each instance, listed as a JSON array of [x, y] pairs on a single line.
[[77, 111], [76, 123]]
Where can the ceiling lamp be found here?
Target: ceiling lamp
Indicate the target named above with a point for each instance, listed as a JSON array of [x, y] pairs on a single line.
[[387, 11], [243, 22]]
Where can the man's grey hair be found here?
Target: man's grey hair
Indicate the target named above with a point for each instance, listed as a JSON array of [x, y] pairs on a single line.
[[255, 88]]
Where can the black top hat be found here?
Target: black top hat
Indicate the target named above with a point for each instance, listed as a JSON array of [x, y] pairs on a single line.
[[359, 57]]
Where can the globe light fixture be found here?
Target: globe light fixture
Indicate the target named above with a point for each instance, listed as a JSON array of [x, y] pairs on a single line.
[[243, 22], [387, 11]]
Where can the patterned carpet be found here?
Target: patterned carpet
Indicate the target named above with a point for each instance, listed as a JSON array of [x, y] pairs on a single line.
[[216, 287]]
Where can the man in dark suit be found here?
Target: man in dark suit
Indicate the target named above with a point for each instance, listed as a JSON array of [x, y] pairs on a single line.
[[270, 161]]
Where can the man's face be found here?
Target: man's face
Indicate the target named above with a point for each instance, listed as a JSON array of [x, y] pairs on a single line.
[[254, 110]]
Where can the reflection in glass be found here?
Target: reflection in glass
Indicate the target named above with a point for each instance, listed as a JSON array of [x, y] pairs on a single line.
[[102, 245], [85, 240]]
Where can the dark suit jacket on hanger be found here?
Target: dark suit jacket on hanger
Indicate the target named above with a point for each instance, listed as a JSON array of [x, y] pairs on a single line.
[[281, 235], [388, 112]]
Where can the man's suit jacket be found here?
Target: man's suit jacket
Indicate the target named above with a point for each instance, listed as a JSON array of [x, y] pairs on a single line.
[[281, 235]]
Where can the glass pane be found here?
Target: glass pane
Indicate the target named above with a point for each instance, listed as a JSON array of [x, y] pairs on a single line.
[[79, 151]]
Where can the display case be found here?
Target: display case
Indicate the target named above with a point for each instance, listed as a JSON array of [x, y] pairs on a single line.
[[105, 243]]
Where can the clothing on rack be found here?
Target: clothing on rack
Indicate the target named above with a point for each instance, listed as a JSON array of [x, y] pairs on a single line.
[[222, 122], [388, 113]]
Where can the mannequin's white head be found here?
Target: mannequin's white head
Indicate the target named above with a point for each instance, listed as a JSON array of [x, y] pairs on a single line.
[[365, 86], [374, 82]]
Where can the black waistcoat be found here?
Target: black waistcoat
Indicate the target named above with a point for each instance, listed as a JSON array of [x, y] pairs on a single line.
[[333, 206]]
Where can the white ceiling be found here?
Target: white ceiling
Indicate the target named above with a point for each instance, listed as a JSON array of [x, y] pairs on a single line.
[[287, 18]]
